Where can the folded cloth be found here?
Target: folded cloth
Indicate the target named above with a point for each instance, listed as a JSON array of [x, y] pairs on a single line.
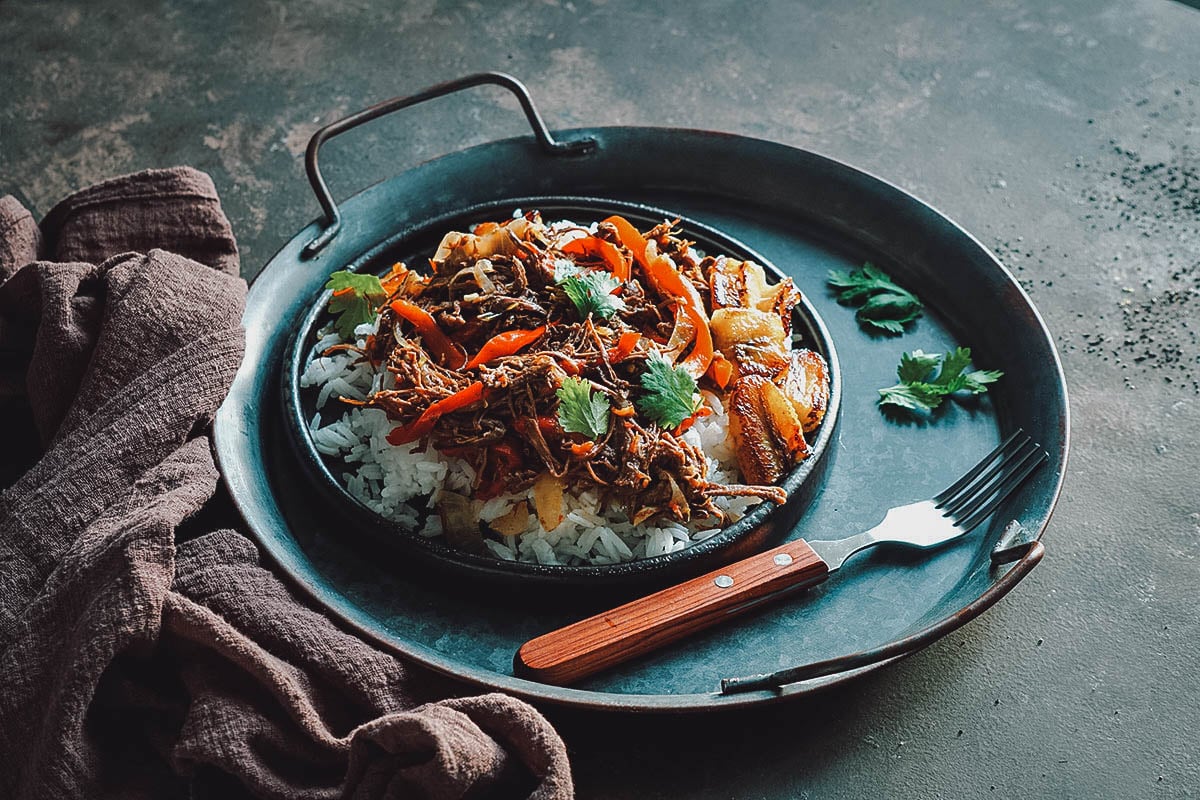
[[143, 649]]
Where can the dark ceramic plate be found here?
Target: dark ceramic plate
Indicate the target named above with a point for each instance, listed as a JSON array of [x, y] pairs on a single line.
[[802, 212], [764, 524]]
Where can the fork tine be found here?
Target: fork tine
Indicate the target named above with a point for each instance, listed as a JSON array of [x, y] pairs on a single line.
[[987, 486], [975, 471], [1015, 478], [984, 485]]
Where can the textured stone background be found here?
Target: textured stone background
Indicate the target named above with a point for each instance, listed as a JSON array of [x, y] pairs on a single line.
[[1063, 135]]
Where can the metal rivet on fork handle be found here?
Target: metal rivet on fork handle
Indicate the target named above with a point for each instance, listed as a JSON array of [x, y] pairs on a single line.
[[723, 581]]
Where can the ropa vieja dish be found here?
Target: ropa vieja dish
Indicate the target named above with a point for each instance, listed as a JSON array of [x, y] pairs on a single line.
[[566, 394]]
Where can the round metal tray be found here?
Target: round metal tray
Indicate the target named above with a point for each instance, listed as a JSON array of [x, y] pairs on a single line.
[[805, 213]]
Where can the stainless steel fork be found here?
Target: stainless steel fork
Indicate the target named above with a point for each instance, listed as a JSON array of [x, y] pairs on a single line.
[[578, 650]]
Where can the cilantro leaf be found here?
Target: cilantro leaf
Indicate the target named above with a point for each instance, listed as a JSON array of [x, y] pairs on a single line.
[[355, 300], [977, 382], [917, 366], [920, 390], [886, 325], [911, 396], [952, 368], [883, 304], [592, 293], [861, 283], [888, 310], [580, 410], [671, 395]]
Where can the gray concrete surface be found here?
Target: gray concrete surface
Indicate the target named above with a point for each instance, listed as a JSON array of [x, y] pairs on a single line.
[[1063, 135]]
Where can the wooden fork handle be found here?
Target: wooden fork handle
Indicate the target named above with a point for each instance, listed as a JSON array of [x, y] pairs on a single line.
[[576, 651]]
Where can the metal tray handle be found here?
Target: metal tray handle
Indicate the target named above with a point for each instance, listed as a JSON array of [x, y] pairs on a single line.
[[333, 217]]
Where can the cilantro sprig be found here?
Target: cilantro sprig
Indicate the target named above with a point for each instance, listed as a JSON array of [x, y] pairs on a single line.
[[591, 292], [580, 410], [883, 305], [670, 393], [920, 390], [355, 300]]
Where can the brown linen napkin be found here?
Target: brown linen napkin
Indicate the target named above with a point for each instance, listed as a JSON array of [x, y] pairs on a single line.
[[131, 665]]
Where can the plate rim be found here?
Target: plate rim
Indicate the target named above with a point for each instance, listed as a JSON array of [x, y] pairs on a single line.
[[801, 477]]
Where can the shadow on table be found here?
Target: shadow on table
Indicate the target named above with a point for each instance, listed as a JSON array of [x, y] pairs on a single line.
[[777, 750]]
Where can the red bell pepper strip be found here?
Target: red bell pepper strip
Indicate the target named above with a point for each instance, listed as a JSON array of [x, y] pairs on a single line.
[[720, 370], [670, 283], [660, 270], [625, 345], [703, 411], [701, 356], [594, 247], [504, 344], [630, 237], [568, 364], [581, 449], [404, 434], [448, 353]]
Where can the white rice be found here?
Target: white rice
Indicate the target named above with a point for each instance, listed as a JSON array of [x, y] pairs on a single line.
[[402, 484]]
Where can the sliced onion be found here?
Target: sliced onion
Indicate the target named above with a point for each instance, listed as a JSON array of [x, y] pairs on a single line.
[[486, 285], [681, 335]]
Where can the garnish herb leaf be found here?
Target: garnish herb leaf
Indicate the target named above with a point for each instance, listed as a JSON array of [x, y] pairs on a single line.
[[920, 390], [917, 366], [580, 410], [886, 325], [910, 396], [355, 300], [890, 312], [883, 305], [953, 364], [592, 293], [977, 382], [861, 283], [671, 395]]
